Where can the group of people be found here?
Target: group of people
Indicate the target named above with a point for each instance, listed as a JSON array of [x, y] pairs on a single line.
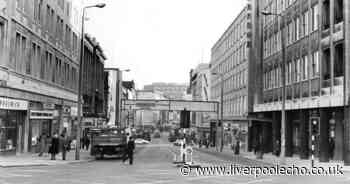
[[55, 144]]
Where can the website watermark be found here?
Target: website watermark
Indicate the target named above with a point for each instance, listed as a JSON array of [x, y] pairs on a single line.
[[256, 171]]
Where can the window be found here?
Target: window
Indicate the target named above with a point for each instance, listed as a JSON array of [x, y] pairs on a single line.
[[305, 68], [23, 54], [297, 23], [314, 17], [316, 63], [2, 38], [31, 59]]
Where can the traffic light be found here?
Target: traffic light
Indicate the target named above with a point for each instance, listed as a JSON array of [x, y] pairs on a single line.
[[185, 119], [314, 126]]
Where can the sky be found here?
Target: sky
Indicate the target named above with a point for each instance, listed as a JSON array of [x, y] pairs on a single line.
[[159, 40]]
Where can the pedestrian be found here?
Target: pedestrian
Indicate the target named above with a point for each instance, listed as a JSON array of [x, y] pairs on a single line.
[[278, 148], [130, 151], [54, 148], [87, 142], [42, 144], [237, 147], [63, 144]]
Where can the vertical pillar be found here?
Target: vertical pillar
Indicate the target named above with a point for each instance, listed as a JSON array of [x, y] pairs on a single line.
[[26, 132], [289, 134], [346, 124], [276, 130], [324, 136], [339, 135], [304, 134], [331, 14]]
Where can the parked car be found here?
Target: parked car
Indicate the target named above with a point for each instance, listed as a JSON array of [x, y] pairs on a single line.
[[141, 141]]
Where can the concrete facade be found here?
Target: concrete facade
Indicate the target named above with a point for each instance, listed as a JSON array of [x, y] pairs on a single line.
[[38, 67], [317, 46], [231, 57]]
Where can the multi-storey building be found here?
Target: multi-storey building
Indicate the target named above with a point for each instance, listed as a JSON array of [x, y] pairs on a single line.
[[170, 90], [200, 90], [317, 42], [233, 66], [38, 70], [93, 82]]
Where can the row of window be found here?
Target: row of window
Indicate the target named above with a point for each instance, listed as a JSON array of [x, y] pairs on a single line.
[[275, 6], [236, 106], [52, 22], [238, 31], [237, 81], [298, 70], [294, 31], [236, 58], [31, 59]]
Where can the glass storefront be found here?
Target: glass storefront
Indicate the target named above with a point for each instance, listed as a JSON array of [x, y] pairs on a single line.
[[38, 127], [11, 130]]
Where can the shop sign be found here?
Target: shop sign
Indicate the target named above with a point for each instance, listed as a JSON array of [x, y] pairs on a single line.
[[11, 104], [74, 111], [41, 114], [48, 105]]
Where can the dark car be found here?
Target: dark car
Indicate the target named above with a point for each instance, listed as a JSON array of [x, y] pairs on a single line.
[[147, 136]]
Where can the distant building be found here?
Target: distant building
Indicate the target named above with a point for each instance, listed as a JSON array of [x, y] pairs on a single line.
[[232, 62], [93, 83], [200, 91], [146, 117], [170, 90]]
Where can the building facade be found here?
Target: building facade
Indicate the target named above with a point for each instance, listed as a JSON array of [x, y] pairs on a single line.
[[38, 70], [200, 90], [93, 83], [171, 91], [317, 42], [231, 61]]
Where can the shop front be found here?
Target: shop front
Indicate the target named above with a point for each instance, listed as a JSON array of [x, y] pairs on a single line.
[[42, 122], [12, 122]]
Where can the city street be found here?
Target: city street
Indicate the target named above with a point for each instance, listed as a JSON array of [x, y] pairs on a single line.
[[153, 164]]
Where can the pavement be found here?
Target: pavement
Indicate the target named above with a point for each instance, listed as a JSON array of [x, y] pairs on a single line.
[[270, 159], [29, 159]]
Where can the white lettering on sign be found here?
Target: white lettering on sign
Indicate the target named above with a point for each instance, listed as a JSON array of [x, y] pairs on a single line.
[[41, 114], [10, 104]]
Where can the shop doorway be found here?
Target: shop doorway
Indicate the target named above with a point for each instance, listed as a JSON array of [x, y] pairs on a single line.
[[38, 128]]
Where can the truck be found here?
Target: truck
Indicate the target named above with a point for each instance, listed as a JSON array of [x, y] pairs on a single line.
[[108, 141]]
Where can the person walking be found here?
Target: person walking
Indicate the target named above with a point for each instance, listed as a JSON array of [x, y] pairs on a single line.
[[130, 151], [42, 144], [237, 146], [64, 144], [54, 148]]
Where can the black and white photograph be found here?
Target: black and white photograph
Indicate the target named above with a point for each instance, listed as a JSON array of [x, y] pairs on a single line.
[[174, 91]]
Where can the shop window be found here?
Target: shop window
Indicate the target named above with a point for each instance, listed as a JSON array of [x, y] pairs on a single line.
[[338, 11]]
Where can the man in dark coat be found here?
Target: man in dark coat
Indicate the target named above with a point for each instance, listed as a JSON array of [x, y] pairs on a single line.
[[130, 151], [54, 148], [64, 144]]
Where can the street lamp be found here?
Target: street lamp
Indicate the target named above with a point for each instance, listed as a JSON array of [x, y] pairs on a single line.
[[77, 147], [283, 111], [221, 109]]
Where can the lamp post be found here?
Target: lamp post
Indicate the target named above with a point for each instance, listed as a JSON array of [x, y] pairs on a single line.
[[283, 78], [77, 147], [221, 109]]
